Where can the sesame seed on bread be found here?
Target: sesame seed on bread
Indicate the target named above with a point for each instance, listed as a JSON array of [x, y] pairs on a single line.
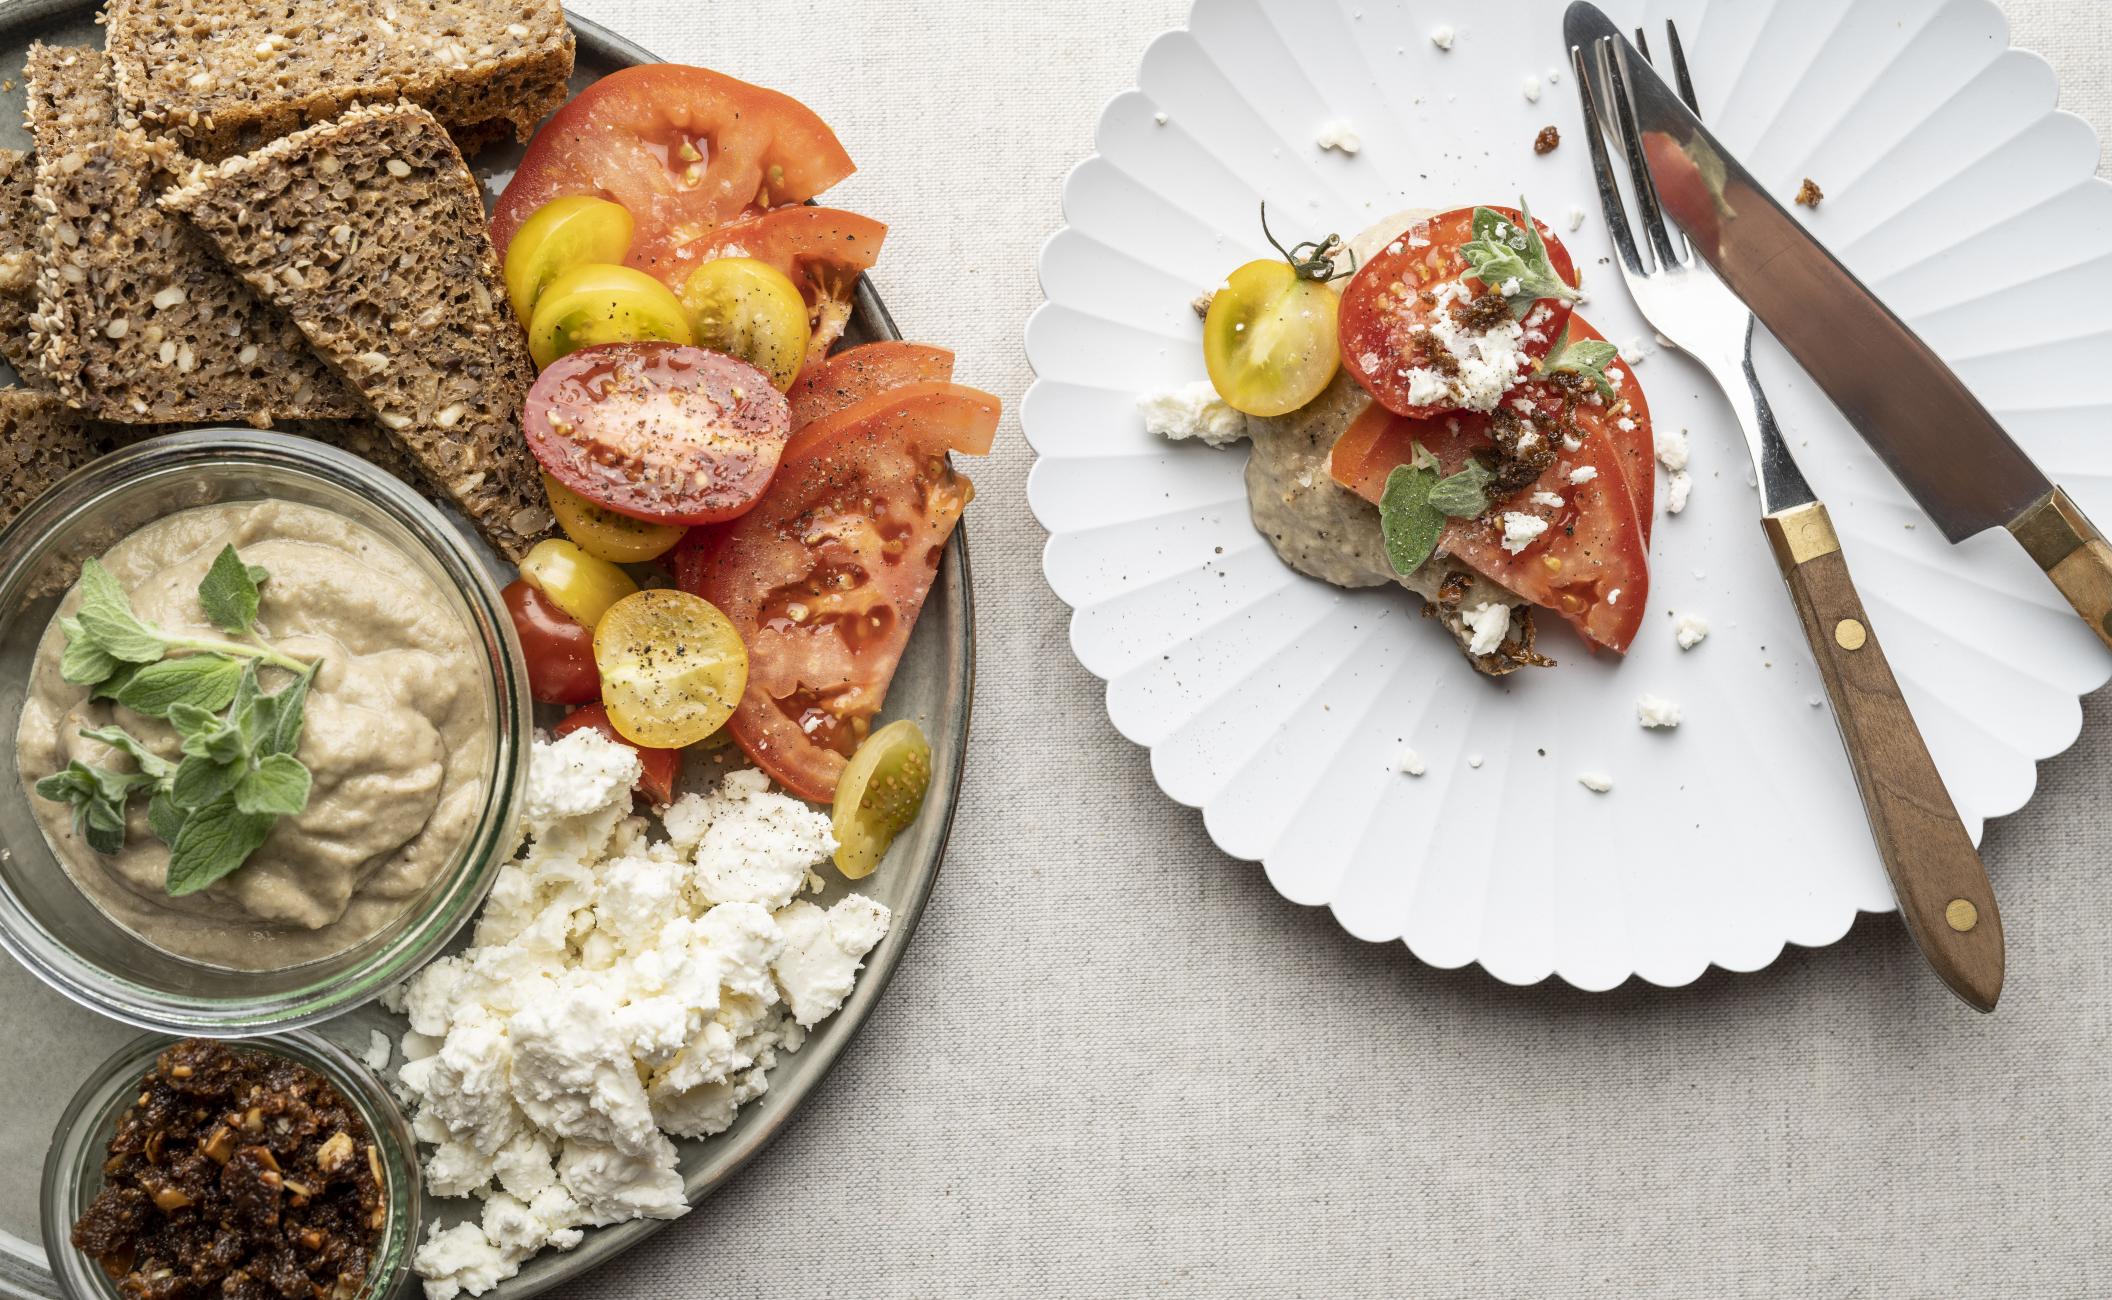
[[225, 76], [136, 320], [369, 232]]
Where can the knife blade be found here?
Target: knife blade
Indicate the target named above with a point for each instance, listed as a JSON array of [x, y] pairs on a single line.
[[1944, 447]]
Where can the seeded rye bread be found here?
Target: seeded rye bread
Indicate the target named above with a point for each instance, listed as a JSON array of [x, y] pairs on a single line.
[[18, 266], [136, 320], [225, 76], [40, 443], [369, 231]]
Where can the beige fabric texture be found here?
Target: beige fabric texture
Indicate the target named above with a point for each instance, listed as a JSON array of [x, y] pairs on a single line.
[[1116, 1063]]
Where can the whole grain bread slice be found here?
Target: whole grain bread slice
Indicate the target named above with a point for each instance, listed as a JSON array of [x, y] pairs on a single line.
[[41, 442], [136, 319], [369, 232], [19, 220], [226, 76]]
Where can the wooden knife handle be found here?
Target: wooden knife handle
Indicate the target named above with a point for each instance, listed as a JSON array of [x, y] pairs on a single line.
[[2074, 554], [1944, 894]]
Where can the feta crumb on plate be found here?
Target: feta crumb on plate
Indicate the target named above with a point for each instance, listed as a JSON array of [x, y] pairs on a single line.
[[1409, 763], [376, 1057], [1474, 760], [1576, 217], [1596, 782], [1340, 136], [1531, 87], [1656, 712], [1442, 36], [1690, 630], [1676, 489], [1671, 447], [1192, 411]]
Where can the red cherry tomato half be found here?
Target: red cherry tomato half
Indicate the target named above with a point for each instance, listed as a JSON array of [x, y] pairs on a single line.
[[660, 769], [560, 652], [658, 431]]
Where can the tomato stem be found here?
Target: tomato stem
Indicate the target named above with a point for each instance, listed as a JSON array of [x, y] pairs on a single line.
[[1311, 260]]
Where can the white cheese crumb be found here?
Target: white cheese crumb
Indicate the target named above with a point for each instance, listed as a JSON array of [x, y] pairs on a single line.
[[1490, 362], [1814, 701], [376, 1057], [1442, 36], [1159, 117], [1596, 782], [1655, 711], [1583, 473], [1671, 448], [1490, 623], [1520, 530], [1474, 761], [1548, 499], [1690, 631], [1614, 597], [1192, 411], [1676, 492], [1409, 763], [1635, 349], [1532, 89], [1340, 136], [1576, 217]]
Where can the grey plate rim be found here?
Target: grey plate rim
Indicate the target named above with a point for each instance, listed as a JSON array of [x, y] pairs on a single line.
[[28, 1276]]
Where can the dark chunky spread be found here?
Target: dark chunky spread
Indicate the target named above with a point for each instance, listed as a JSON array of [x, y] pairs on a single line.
[[238, 1174]]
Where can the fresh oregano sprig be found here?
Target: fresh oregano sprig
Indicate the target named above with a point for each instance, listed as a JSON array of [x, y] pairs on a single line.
[[238, 773], [1419, 498], [1504, 251]]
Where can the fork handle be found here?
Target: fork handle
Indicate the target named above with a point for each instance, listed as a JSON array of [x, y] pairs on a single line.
[[1943, 890], [2074, 554]]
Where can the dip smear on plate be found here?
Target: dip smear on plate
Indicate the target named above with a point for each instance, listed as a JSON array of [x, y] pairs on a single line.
[[395, 736]]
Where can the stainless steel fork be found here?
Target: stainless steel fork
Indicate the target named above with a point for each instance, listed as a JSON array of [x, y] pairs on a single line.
[[1943, 890]]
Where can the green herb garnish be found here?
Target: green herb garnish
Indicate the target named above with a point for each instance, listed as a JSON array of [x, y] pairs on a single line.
[[237, 775], [1417, 501], [1586, 357], [1503, 251]]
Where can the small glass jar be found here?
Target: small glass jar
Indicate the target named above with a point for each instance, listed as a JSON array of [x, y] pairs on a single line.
[[73, 1165], [48, 923]]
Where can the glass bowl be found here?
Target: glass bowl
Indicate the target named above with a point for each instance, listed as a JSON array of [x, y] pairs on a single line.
[[47, 922], [73, 1164]]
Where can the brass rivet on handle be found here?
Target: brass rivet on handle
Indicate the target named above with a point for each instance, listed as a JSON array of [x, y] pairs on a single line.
[[1962, 915], [1849, 634]]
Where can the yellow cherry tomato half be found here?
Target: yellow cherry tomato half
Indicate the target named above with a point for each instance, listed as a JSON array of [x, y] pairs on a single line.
[[563, 234], [880, 793], [751, 310], [1269, 339], [600, 303], [672, 668], [579, 584], [606, 535]]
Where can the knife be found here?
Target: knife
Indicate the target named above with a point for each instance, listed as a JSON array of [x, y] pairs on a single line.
[[1935, 436]]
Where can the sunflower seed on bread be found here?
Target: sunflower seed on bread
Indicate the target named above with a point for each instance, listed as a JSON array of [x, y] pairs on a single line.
[[225, 76], [369, 232], [18, 266]]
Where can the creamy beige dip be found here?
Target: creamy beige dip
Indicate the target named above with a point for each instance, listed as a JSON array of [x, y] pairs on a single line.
[[397, 732]]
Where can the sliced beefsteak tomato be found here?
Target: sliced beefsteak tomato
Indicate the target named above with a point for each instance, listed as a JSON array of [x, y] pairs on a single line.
[[825, 578], [821, 250], [1591, 564], [660, 770], [684, 150], [1392, 301], [658, 431], [1568, 408], [857, 373]]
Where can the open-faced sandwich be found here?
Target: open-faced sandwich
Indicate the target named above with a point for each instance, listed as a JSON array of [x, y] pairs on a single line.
[[1445, 421]]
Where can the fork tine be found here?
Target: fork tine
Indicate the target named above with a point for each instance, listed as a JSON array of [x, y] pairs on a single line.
[[1602, 168], [1642, 42], [1653, 216], [1679, 67], [1686, 90]]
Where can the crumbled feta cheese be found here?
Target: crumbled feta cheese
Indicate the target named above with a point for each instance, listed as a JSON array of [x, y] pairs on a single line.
[[1596, 782], [1614, 597], [1192, 411], [1576, 217], [1490, 623], [1532, 89], [1583, 473], [1474, 761], [1510, 288], [1409, 763], [1490, 363], [1442, 36], [620, 989], [1635, 349], [1520, 530], [1676, 490], [1159, 117], [1655, 711], [376, 1057], [1548, 499], [1339, 135], [1690, 630], [1671, 448], [1814, 701]]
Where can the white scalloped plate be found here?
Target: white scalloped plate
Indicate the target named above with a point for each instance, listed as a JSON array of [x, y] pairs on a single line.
[[1277, 705]]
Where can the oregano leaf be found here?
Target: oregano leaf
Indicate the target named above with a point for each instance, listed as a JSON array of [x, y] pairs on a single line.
[[228, 593], [1411, 525]]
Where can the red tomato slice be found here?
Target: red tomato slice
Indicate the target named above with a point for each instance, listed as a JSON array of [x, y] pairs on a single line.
[[1591, 566], [871, 405], [658, 431], [821, 250], [684, 150], [1390, 296], [560, 652], [857, 373], [826, 577], [660, 769], [1636, 442]]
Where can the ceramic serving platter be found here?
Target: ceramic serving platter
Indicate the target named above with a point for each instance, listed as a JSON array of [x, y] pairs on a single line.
[[53, 1044], [1277, 706]]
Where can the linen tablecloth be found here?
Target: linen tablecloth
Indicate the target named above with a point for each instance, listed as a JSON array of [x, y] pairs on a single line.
[[1116, 1063]]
